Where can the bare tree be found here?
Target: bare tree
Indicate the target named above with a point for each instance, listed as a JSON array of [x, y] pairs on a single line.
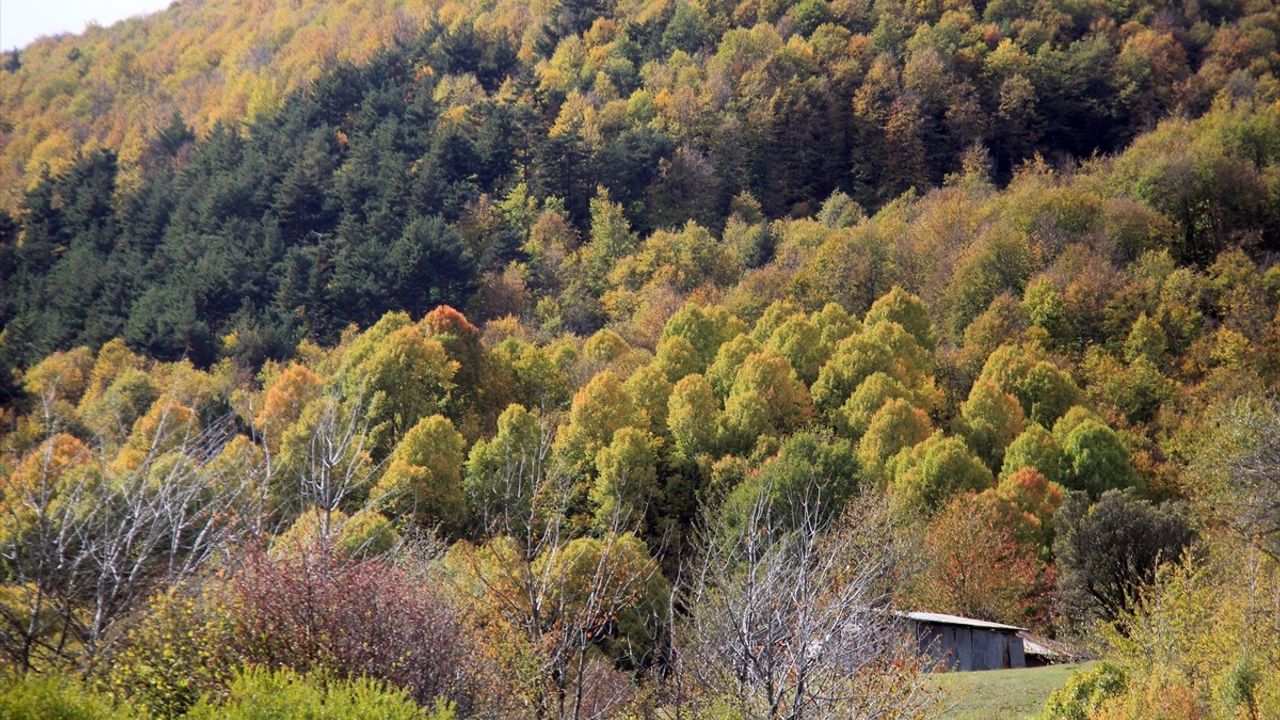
[[335, 466], [527, 492], [564, 595], [793, 619], [326, 468], [1245, 463], [85, 539]]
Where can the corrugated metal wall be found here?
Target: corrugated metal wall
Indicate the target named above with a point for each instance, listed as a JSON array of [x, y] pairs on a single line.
[[968, 648]]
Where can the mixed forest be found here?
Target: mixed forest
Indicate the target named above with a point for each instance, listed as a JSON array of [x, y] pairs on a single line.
[[619, 359]]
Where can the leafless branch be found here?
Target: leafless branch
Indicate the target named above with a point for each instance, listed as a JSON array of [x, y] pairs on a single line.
[[794, 620], [87, 539]]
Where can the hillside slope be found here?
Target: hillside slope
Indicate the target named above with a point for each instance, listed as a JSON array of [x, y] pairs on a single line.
[[1071, 78], [207, 60], [630, 360], [416, 177]]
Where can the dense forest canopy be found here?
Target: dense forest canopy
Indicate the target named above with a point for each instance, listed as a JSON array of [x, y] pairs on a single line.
[[581, 359], [404, 181], [930, 77]]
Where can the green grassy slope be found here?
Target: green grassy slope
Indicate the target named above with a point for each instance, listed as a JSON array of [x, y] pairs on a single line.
[[1000, 694]]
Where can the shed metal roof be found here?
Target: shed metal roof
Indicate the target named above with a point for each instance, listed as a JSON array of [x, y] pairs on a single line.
[[944, 619]]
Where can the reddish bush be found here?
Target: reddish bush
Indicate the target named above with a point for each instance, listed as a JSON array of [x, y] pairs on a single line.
[[314, 609]]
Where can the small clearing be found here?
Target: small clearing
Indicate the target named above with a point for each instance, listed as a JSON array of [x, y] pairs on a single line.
[[1000, 694]]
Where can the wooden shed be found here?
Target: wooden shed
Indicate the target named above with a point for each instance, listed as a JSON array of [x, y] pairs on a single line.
[[961, 643]]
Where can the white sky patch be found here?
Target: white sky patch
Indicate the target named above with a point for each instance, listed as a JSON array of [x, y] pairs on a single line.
[[22, 21]]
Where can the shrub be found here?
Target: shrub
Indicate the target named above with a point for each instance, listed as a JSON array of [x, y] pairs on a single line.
[[180, 649], [49, 697], [259, 694], [1085, 693], [317, 610]]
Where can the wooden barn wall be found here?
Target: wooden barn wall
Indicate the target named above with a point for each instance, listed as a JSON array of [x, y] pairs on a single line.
[[967, 648]]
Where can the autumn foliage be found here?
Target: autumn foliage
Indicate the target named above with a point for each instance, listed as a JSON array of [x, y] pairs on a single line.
[[568, 360]]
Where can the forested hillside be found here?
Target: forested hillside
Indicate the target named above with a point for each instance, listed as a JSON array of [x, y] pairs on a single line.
[[415, 178], [589, 360], [117, 87], [924, 77]]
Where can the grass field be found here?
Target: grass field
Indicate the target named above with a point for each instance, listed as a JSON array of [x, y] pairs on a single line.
[[999, 694]]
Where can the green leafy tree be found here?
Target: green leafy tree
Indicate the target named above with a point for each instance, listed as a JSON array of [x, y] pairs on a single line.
[[688, 29], [776, 313], [1045, 391], [927, 475], [405, 377], [1035, 448], [1137, 391], [626, 488], [652, 390], [611, 236], [604, 347], [678, 357], [870, 396], [692, 416], [895, 426], [176, 652], [999, 261], [991, 419], [114, 357], [541, 379], [706, 329], [617, 567], [1094, 457], [800, 342], [834, 323], [907, 310], [1146, 340], [812, 472], [883, 347], [767, 399], [1107, 551], [112, 412], [1046, 310], [503, 472], [723, 371], [424, 475], [602, 407]]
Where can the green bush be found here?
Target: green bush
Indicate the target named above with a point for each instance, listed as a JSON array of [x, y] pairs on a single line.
[[181, 649], [1239, 688], [1084, 693], [50, 697], [260, 694]]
